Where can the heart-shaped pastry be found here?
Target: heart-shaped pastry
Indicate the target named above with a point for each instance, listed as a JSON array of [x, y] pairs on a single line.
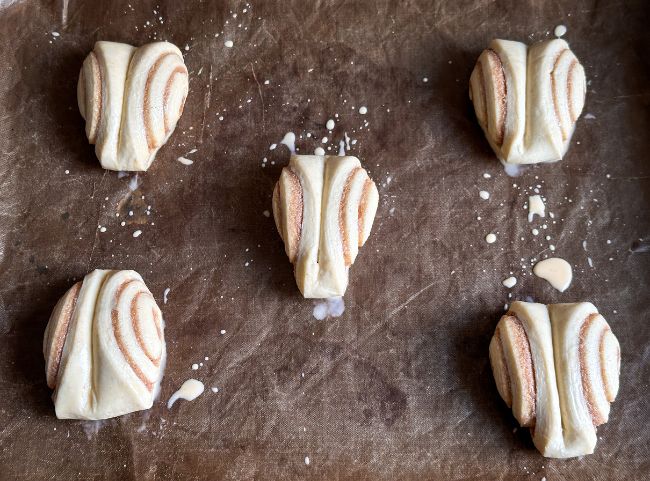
[[104, 347], [324, 207], [527, 100], [131, 99], [557, 366]]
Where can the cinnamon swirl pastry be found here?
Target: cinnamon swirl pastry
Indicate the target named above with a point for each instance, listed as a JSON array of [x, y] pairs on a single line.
[[324, 207], [131, 99], [527, 100], [557, 366], [104, 347]]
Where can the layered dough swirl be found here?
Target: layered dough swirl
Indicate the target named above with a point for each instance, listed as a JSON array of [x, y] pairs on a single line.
[[324, 207], [557, 366], [104, 347], [527, 99], [131, 99]]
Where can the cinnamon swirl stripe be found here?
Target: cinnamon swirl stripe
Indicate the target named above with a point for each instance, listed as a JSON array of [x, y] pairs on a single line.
[[354, 210], [567, 90], [163, 100], [512, 365], [56, 333], [135, 313], [104, 347], [288, 206], [489, 93], [90, 95], [600, 360], [131, 100]]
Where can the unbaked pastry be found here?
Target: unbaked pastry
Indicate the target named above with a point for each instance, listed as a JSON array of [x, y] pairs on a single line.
[[557, 366], [324, 207], [527, 100], [104, 347], [131, 99]]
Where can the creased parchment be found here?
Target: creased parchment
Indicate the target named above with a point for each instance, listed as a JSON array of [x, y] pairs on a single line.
[[399, 386]]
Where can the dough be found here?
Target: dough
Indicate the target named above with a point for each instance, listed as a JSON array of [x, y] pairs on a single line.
[[324, 207], [131, 99], [557, 366], [104, 347], [527, 100]]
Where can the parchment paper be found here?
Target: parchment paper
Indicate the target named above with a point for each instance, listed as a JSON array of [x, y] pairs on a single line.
[[399, 387]]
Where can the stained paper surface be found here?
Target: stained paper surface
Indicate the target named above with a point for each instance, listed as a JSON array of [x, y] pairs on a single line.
[[399, 386]]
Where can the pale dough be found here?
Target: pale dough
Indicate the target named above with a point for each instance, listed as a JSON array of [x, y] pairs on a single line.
[[527, 100], [557, 366], [324, 207], [104, 347], [131, 99]]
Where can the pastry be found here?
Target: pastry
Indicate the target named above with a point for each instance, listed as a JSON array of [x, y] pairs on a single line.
[[324, 207], [104, 347], [131, 99], [527, 99], [557, 366]]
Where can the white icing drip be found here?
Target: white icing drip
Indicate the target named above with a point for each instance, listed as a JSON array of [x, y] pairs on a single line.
[[513, 170], [165, 294], [509, 282], [319, 151], [190, 390], [347, 141], [535, 206], [559, 30], [185, 161], [289, 140], [133, 183], [331, 307], [91, 428], [556, 271], [341, 148]]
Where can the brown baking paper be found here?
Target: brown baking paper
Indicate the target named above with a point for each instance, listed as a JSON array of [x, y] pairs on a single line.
[[399, 387]]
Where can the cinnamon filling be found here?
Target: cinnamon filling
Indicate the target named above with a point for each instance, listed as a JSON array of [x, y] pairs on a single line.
[[588, 390], [117, 331], [60, 334], [345, 199], [501, 94], [179, 70], [295, 205], [504, 363], [525, 361], [97, 93], [363, 206], [556, 95], [135, 321], [146, 107]]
